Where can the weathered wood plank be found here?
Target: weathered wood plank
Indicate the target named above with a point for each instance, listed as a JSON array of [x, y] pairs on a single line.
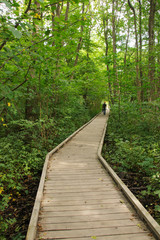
[[60, 208], [81, 197], [91, 232], [88, 218], [80, 189], [90, 202], [133, 236], [81, 186], [78, 182], [73, 178], [86, 225], [83, 212], [84, 194]]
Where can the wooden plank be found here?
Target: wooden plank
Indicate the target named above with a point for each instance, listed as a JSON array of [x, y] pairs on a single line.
[[133, 236], [84, 194], [74, 190], [77, 170], [88, 218], [73, 167], [76, 173], [74, 178], [81, 186], [84, 207], [91, 232], [86, 225], [83, 212], [90, 202], [81, 197], [77, 182]]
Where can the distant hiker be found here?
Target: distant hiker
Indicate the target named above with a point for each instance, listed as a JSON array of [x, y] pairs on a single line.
[[104, 108]]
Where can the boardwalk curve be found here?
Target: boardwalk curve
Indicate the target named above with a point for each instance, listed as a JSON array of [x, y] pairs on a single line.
[[77, 198]]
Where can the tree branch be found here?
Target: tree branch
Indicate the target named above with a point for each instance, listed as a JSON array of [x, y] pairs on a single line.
[[45, 39], [19, 84]]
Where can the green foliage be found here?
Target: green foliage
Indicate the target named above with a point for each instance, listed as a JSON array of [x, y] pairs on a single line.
[[23, 146], [133, 146], [54, 74]]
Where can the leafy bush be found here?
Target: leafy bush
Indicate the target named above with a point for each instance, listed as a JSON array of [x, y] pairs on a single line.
[[132, 145], [23, 147]]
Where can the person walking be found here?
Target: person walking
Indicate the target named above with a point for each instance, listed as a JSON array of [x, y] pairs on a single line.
[[104, 108]]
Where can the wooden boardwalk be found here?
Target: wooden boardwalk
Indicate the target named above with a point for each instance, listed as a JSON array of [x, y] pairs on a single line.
[[80, 200]]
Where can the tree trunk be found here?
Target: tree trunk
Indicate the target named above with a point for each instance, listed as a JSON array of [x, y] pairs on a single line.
[[105, 26], [151, 61], [126, 48], [79, 44], [67, 10], [136, 39], [115, 80], [140, 50], [158, 70]]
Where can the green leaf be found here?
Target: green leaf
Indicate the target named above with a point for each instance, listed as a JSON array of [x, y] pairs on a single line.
[[157, 192], [47, 32], [157, 208], [15, 32]]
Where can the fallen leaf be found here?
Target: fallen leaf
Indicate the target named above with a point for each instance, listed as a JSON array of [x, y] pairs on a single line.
[[93, 237]]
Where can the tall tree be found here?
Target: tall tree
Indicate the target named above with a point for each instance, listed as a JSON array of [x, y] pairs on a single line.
[[151, 59], [106, 33], [136, 58], [140, 50], [80, 40], [116, 85]]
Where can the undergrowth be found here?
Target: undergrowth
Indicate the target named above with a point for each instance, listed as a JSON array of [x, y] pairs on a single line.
[[23, 147], [132, 148]]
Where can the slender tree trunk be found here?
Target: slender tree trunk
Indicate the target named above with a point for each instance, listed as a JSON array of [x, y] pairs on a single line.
[[58, 10], [115, 89], [80, 40], [79, 43], [126, 48], [140, 49], [105, 26], [53, 24], [151, 66], [67, 10], [158, 71], [136, 39], [59, 44]]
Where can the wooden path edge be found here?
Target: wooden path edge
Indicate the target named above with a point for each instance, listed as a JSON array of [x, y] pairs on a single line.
[[32, 228], [141, 211]]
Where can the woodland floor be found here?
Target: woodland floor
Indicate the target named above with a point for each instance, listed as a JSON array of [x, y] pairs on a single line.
[[137, 182], [21, 208]]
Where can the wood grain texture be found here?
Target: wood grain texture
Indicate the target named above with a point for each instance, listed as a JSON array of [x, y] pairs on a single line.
[[80, 200]]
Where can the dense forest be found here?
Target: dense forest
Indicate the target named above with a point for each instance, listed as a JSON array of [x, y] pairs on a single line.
[[58, 61]]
